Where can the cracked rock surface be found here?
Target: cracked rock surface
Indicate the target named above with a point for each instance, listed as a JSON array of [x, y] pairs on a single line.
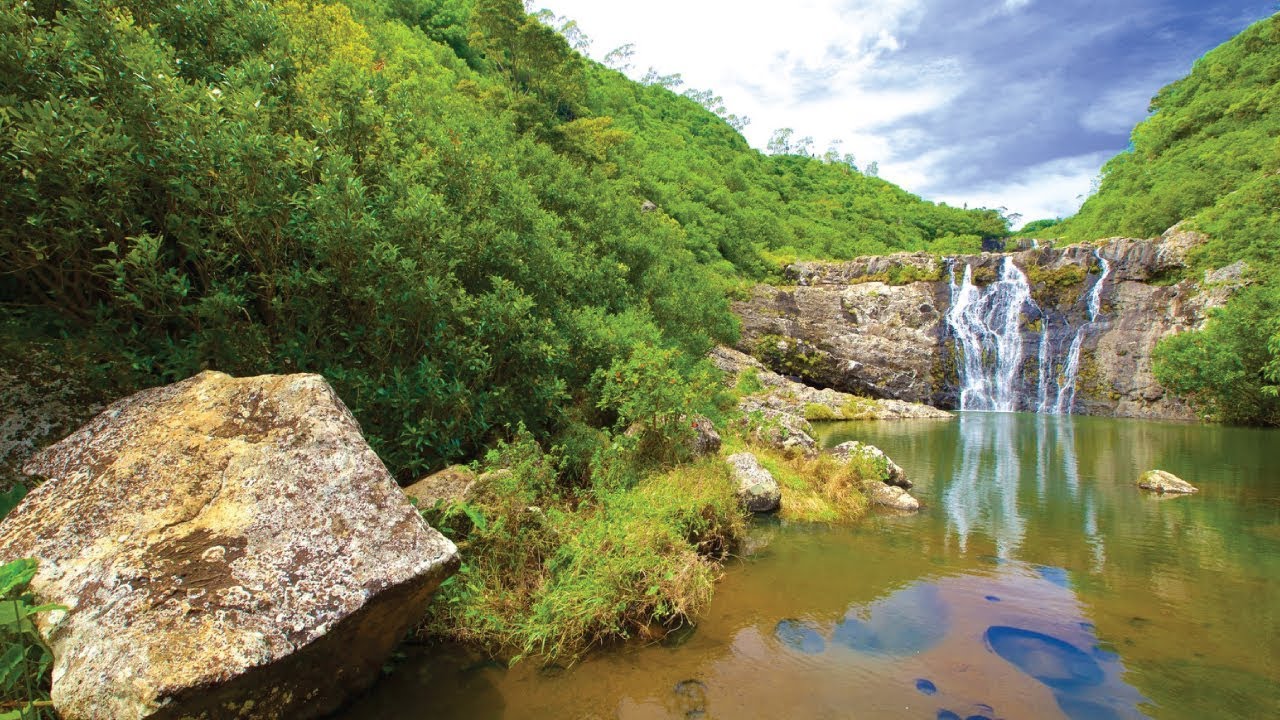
[[226, 548]]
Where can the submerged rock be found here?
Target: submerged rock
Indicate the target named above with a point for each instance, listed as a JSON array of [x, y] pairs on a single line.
[[1054, 662], [891, 496], [799, 636], [757, 490], [891, 473], [453, 484], [226, 548], [1165, 482]]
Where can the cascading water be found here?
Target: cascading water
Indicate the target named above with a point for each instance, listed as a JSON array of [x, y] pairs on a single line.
[[987, 323], [1071, 371]]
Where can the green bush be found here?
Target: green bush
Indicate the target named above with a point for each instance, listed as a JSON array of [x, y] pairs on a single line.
[[25, 659], [1229, 368]]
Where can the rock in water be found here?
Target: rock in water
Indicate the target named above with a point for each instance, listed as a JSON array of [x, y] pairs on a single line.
[[891, 496], [891, 473], [757, 490], [227, 548], [1164, 482]]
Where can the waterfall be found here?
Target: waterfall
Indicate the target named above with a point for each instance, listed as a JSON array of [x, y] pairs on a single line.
[[986, 322], [1071, 371]]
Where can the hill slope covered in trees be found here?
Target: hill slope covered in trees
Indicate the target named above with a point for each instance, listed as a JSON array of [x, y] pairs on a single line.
[[434, 203], [1209, 154]]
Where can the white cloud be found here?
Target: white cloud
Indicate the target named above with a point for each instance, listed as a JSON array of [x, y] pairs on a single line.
[[806, 66], [1117, 110], [1051, 189]]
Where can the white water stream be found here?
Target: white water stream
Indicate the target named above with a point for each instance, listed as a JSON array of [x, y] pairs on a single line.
[[987, 324]]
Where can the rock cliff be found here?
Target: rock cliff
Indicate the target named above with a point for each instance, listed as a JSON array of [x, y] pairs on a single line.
[[879, 326]]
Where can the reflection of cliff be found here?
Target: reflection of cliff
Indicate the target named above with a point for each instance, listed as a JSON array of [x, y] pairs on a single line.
[[1079, 338]]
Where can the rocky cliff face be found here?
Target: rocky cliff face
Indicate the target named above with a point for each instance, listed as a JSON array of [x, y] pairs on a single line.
[[879, 326]]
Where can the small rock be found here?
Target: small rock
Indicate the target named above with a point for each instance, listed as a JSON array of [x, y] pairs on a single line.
[[893, 474], [757, 490], [706, 441], [891, 496], [1164, 482], [453, 484]]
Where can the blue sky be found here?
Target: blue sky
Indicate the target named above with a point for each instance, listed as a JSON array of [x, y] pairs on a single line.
[[1005, 103]]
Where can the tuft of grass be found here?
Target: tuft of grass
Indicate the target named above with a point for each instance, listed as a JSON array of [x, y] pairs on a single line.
[[556, 580], [859, 408], [817, 489], [748, 383], [818, 411]]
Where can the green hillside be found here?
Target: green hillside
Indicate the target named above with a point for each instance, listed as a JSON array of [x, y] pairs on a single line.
[[434, 203], [1210, 155]]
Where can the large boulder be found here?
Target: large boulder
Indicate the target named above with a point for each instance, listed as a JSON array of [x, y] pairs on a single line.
[[1165, 482], [889, 471], [757, 490], [226, 548]]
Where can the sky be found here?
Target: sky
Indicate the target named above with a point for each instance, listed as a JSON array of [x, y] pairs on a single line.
[[1014, 104]]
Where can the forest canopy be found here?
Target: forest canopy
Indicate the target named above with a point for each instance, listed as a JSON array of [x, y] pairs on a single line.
[[437, 204]]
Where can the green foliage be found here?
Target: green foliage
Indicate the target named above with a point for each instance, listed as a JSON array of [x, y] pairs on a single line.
[[24, 658], [557, 577], [818, 411], [1227, 368], [1208, 135], [653, 395], [1038, 227]]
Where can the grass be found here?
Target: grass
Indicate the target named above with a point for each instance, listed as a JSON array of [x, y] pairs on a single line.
[[818, 411], [816, 489], [560, 579]]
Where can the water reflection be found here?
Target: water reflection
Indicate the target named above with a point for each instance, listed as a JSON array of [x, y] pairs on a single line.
[[1031, 524], [983, 493], [907, 622], [987, 475]]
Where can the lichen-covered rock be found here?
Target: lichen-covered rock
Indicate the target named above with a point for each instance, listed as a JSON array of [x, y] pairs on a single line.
[[1165, 482], [453, 484], [890, 472], [891, 497], [777, 428], [757, 490], [705, 440], [869, 339], [785, 395], [227, 548]]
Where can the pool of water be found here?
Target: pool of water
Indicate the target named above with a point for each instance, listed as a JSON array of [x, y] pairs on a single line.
[[1037, 582]]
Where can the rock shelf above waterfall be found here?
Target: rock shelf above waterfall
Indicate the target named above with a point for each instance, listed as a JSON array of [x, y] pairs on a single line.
[[1048, 329]]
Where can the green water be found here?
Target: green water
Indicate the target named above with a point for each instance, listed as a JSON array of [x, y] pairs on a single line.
[[1037, 582]]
